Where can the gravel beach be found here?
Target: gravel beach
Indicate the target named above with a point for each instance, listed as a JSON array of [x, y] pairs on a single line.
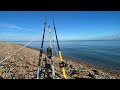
[[23, 65]]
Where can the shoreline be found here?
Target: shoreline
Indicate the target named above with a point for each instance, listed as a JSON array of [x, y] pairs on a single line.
[[28, 58], [115, 73]]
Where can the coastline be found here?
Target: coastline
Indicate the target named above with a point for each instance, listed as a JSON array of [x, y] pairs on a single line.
[[115, 73], [28, 58]]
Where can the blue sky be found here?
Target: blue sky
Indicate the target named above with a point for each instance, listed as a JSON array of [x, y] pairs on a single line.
[[70, 25]]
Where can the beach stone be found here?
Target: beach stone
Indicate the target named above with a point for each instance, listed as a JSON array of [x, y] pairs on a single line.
[[13, 78], [71, 66], [83, 73], [96, 72], [74, 72], [80, 78], [91, 76]]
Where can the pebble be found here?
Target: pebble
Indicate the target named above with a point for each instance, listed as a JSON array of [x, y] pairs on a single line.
[[23, 68], [96, 72]]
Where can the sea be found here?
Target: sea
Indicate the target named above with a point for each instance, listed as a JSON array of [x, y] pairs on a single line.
[[105, 53]]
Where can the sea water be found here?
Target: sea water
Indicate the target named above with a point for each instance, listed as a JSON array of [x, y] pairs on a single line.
[[98, 52]]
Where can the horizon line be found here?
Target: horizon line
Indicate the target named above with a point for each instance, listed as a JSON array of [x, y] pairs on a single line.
[[55, 40]]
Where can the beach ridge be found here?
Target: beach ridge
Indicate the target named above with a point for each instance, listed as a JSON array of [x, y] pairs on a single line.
[[23, 65]]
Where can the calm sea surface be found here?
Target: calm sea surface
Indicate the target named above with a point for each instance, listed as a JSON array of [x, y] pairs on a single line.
[[101, 53]]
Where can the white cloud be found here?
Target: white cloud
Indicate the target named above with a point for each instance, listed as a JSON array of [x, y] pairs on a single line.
[[14, 27], [19, 37]]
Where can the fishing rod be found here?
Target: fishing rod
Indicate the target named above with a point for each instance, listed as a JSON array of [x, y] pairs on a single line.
[[41, 51], [62, 64], [51, 54]]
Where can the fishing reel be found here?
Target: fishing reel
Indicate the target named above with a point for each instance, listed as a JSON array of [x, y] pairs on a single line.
[[49, 52]]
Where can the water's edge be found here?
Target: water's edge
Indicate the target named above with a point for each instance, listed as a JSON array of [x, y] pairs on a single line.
[[101, 68]]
